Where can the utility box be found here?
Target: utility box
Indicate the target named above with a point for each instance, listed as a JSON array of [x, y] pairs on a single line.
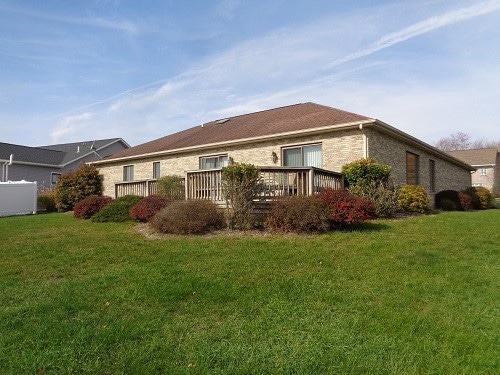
[[18, 197]]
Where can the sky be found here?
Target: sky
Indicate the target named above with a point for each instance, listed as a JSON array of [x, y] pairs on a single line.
[[93, 69]]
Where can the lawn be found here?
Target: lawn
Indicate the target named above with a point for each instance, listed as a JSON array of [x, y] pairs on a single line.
[[412, 296]]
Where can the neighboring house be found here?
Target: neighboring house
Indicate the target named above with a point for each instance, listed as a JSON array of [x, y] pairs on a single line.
[[299, 148], [486, 161], [45, 164]]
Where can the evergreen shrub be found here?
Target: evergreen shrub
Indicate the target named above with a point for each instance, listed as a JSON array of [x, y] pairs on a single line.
[[447, 200], [118, 210], [413, 198], [46, 200]]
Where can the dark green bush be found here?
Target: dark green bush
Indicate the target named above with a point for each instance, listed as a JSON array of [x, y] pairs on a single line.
[[413, 198], [118, 210], [447, 200], [46, 201], [89, 206], [188, 217], [147, 207], [345, 209], [365, 172], [298, 214], [171, 187], [74, 186]]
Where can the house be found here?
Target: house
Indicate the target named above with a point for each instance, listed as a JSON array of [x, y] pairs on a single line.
[[486, 161], [300, 148], [45, 164]]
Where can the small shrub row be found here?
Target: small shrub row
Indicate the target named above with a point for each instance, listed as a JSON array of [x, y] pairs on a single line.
[[472, 198], [147, 207]]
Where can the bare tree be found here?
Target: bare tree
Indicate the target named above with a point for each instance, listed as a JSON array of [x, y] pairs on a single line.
[[457, 141]]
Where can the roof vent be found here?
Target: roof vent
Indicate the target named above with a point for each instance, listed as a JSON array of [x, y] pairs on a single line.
[[222, 121]]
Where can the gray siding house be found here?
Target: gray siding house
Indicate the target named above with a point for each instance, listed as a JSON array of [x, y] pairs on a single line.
[[486, 161], [45, 164], [299, 148]]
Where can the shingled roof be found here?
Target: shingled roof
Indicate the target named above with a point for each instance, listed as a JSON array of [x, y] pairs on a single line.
[[36, 155], [283, 120], [477, 157]]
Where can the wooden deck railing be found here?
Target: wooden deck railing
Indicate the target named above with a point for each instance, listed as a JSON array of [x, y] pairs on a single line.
[[276, 182]]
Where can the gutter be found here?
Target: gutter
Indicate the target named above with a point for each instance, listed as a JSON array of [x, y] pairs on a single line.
[[324, 129]]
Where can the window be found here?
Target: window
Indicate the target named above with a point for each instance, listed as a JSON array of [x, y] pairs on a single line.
[[432, 175], [303, 156], [484, 171], [156, 170], [128, 173], [216, 161], [53, 177], [412, 168]]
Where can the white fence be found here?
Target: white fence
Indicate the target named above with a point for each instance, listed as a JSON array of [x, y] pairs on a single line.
[[17, 197]]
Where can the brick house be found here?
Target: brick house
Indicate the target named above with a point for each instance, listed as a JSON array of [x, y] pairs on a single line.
[[486, 161], [300, 148]]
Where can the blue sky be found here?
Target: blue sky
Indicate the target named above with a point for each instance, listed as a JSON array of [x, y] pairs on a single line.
[[79, 70]]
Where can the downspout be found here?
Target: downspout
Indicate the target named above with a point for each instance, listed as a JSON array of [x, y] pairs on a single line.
[[5, 168], [365, 142]]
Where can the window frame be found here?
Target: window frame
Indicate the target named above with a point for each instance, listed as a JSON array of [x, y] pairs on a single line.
[[412, 168], [156, 173], [128, 173], [301, 147], [484, 171], [52, 174], [219, 162]]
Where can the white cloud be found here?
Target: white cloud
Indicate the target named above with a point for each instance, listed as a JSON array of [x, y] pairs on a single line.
[[70, 125]]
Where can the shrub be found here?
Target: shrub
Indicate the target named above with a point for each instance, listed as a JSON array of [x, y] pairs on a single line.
[[147, 207], [118, 210], [364, 172], [74, 186], [188, 217], [384, 197], [485, 198], [171, 187], [447, 200], [89, 206], [465, 201], [46, 200], [472, 193], [298, 214], [241, 184], [413, 198], [344, 208]]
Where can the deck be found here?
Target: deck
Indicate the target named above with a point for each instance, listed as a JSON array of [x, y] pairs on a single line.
[[276, 182]]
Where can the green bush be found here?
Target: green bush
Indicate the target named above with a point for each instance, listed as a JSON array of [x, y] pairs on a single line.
[[188, 217], [46, 201], [118, 210], [74, 186], [413, 198], [365, 172], [298, 214], [383, 196], [171, 187], [241, 185]]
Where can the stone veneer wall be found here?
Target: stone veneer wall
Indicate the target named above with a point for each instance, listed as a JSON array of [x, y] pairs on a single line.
[[388, 150], [338, 149]]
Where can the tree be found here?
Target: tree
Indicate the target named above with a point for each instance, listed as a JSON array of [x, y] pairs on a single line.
[[76, 185], [462, 141]]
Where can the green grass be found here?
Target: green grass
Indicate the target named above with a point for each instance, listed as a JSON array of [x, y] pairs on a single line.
[[412, 296]]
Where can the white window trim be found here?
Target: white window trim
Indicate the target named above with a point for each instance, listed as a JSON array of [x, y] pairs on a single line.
[[132, 174], [218, 156], [301, 146]]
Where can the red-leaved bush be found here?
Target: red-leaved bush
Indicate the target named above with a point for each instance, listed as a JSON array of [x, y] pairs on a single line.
[[465, 201], [89, 206], [346, 209], [147, 207]]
